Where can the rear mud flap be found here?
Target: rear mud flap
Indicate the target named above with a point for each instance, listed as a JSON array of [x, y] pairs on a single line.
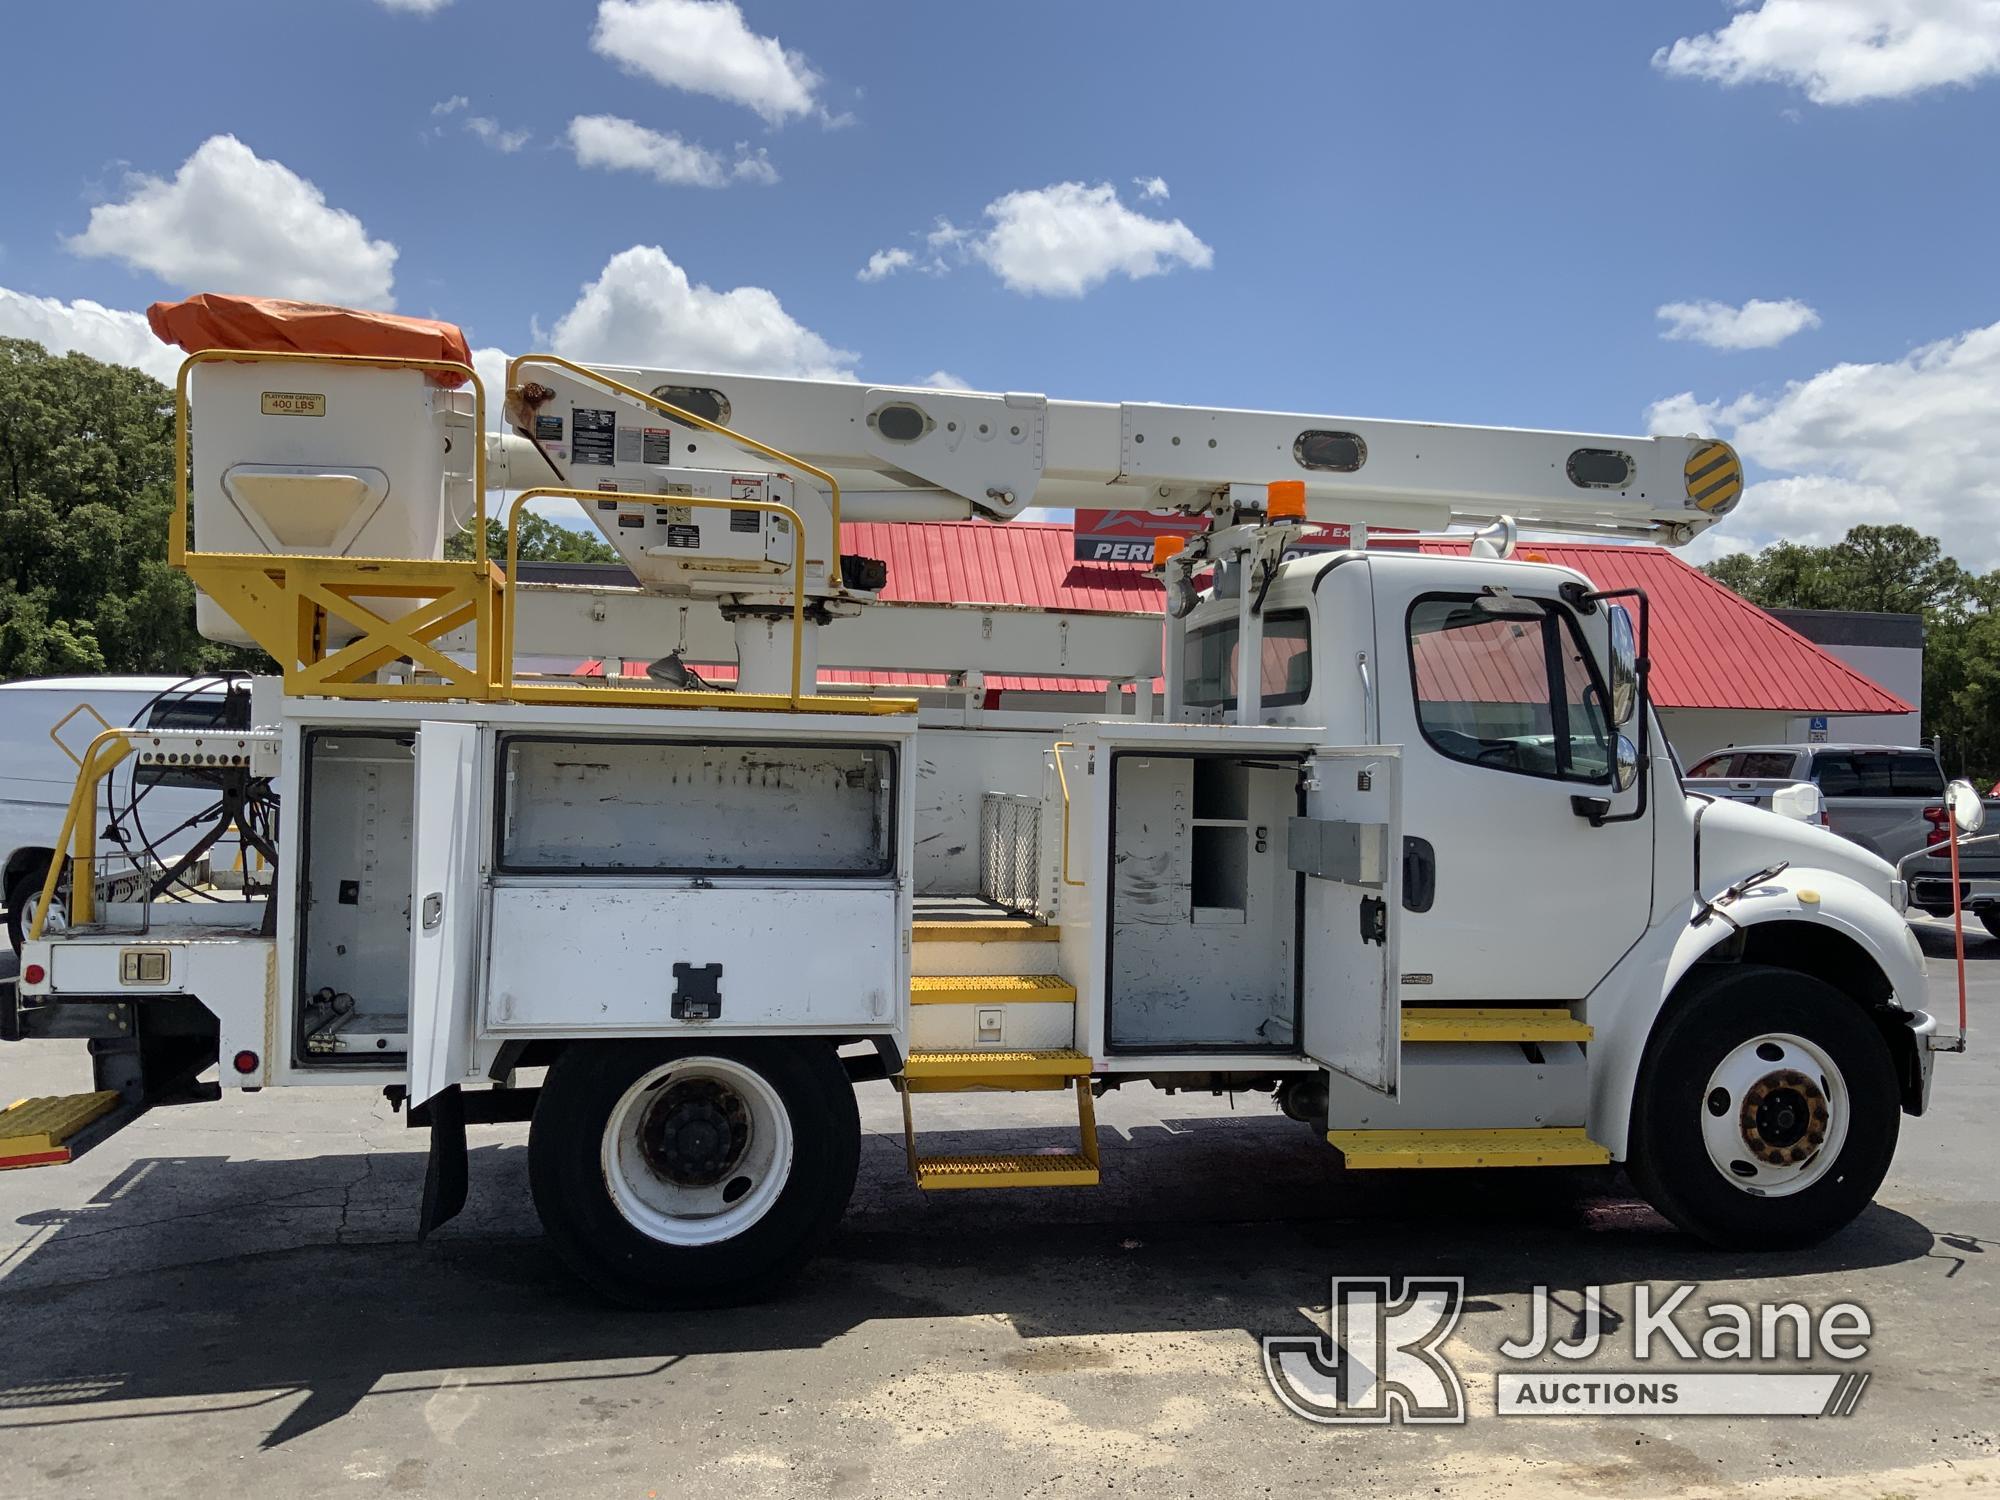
[[446, 1178]]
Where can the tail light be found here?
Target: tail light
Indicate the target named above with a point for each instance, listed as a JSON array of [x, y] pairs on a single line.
[[1939, 818]]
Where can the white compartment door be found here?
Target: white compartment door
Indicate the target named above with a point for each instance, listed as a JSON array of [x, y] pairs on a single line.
[[1348, 849], [444, 900]]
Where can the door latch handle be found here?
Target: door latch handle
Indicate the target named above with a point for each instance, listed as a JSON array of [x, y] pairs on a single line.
[[433, 910]]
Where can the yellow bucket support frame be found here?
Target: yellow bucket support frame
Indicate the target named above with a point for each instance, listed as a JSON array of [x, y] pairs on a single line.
[[287, 601]]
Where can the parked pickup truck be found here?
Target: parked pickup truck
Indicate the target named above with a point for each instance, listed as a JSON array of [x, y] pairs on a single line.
[[1887, 798]]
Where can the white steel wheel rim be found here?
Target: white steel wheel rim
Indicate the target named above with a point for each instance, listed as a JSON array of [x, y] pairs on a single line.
[[697, 1150], [1774, 1115]]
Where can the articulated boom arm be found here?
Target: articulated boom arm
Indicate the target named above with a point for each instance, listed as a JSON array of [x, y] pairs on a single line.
[[908, 454]]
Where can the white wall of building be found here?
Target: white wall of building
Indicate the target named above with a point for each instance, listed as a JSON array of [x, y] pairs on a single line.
[[1900, 669], [1694, 732]]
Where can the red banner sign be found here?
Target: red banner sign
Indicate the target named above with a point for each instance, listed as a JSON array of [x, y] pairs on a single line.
[[1126, 536]]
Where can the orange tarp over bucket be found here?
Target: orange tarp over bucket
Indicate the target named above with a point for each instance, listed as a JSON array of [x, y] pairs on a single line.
[[211, 320]]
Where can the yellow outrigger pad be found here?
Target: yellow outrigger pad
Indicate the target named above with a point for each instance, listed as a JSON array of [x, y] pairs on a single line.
[[1436, 1023], [34, 1132], [1556, 1146]]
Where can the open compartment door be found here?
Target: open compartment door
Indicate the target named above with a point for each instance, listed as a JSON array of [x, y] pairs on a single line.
[[444, 900], [1348, 849]]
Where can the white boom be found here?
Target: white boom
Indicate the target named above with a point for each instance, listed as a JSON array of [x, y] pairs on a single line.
[[910, 454], [907, 454]]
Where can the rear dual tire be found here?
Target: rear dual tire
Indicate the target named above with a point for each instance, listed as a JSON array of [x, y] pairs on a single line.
[[692, 1174]]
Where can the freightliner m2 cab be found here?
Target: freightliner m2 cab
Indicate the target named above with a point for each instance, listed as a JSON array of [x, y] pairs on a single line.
[[1399, 843]]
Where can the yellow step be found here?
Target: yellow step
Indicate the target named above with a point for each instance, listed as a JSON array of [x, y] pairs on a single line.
[[33, 1132], [1012, 1169], [1056, 1062], [1005, 930], [1555, 1146], [1447, 1024], [1065, 1169], [991, 989]]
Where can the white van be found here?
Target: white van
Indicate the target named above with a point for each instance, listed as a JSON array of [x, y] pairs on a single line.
[[37, 775]]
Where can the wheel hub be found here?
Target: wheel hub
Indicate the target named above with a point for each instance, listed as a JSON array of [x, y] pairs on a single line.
[[695, 1133], [1784, 1118]]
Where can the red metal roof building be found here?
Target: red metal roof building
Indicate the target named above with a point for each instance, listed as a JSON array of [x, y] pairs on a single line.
[[1723, 670]]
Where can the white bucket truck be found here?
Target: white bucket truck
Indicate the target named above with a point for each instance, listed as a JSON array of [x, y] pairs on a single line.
[[1399, 843]]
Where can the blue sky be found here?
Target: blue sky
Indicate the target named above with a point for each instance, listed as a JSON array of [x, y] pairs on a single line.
[[1456, 212]]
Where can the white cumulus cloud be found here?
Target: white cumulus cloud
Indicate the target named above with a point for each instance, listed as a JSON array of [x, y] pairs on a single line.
[[491, 363], [885, 263], [1845, 51], [494, 134], [1057, 241], [1151, 187], [642, 309], [1909, 441], [232, 221], [620, 145], [85, 327], [1757, 324], [415, 7], [1062, 240], [706, 47], [944, 380]]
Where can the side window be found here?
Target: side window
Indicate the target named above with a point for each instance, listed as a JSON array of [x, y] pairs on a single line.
[[1510, 692], [1917, 776], [1766, 764], [1878, 773], [1210, 677], [1715, 765]]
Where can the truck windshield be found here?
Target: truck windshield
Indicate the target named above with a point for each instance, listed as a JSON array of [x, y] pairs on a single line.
[[1210, 677]]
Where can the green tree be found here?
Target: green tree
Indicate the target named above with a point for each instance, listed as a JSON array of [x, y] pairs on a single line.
[[541, 540], [1899, 570], [86, 497]]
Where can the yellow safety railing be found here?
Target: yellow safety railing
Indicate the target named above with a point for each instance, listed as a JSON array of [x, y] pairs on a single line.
[[1062, 776], [78, 840], [800, 699], [646, 398]]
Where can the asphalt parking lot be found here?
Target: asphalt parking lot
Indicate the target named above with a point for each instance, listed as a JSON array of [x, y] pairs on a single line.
[[230, 1299]]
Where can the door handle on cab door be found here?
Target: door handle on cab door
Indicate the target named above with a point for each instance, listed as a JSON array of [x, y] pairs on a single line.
[[433, 910], [1419, 874], [1596, 809]]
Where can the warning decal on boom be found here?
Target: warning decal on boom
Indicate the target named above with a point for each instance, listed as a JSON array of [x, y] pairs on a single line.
[[1714, 477]]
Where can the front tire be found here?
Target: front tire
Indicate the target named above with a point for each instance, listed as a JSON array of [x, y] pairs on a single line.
[[690, 1173], [1767, 1110]]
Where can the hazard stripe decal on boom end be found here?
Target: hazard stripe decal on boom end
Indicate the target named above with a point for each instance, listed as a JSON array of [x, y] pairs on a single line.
[[1714, 478]]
